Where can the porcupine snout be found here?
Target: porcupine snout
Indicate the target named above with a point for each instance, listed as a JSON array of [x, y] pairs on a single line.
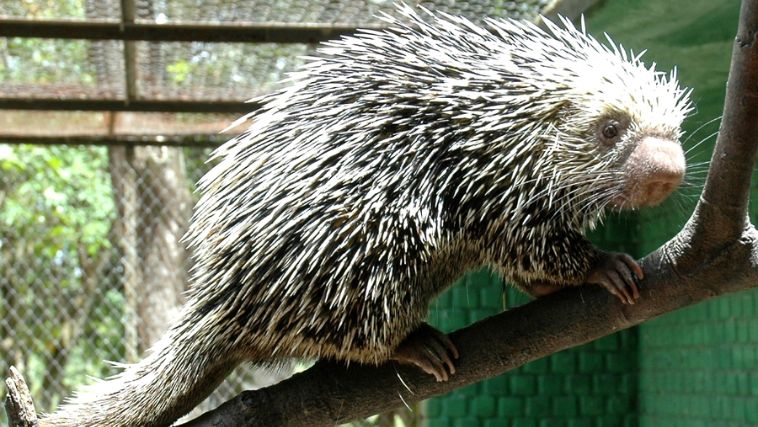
[[653, 171]]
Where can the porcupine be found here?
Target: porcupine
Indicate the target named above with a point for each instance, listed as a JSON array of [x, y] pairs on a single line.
[[390, 165]]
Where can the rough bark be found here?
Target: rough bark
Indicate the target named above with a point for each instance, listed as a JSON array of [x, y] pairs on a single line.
[[123, 180], [19, 405], [153, 205]]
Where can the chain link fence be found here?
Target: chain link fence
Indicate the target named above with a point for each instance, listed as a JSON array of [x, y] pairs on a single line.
[[92, 268], [91, 264]]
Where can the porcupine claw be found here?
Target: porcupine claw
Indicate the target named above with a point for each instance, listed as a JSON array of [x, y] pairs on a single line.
[[430, 350], [618, 273]]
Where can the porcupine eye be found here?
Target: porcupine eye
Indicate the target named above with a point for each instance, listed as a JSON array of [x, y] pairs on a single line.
[[610, 130]]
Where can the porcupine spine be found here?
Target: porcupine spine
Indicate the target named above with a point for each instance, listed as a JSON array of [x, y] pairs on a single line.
[[389, 167]]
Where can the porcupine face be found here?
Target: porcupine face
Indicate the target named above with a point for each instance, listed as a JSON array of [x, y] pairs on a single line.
[[648, 159], [627, 117]]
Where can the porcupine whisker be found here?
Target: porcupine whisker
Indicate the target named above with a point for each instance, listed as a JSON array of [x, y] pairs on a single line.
[[556, 202], [599, 194], [689, 150], [581, 181], [402, 381], [687, 185], [692, 184], [678, 203], [407, 406], [571, 199], [697, 165], [585, 207], [589, 185], [687, 202], [603, 193], [694, 178], [686, 140], [593, 205]]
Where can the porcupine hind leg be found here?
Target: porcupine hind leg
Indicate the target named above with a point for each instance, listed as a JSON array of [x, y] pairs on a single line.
[[429, 349]]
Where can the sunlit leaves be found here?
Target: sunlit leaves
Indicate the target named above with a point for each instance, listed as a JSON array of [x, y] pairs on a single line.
[[54, 196]]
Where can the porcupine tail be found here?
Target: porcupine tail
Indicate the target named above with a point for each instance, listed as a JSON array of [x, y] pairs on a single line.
[[182, 368]]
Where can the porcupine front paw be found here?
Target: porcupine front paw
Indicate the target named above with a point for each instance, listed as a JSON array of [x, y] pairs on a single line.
[[616, 272], [430, 350]]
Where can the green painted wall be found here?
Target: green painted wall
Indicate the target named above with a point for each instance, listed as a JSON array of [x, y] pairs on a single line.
[[695, 367], [594, 385], [698, 367]]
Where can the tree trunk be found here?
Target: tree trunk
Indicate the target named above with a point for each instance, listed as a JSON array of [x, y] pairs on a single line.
[[153, 203]]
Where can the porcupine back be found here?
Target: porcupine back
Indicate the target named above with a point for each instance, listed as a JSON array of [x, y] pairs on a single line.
[[388, 167]]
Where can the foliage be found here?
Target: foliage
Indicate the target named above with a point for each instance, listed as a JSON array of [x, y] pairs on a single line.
[[56, 210], [40, 61], [31, 60], [46, 9], [69, 193]]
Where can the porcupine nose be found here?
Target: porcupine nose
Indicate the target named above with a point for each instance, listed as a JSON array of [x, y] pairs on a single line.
[[658, 167]]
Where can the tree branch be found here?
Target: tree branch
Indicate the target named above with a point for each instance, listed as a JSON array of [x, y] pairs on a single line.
[[329, 394], [716, 253], [721, 216], [18, 404]]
